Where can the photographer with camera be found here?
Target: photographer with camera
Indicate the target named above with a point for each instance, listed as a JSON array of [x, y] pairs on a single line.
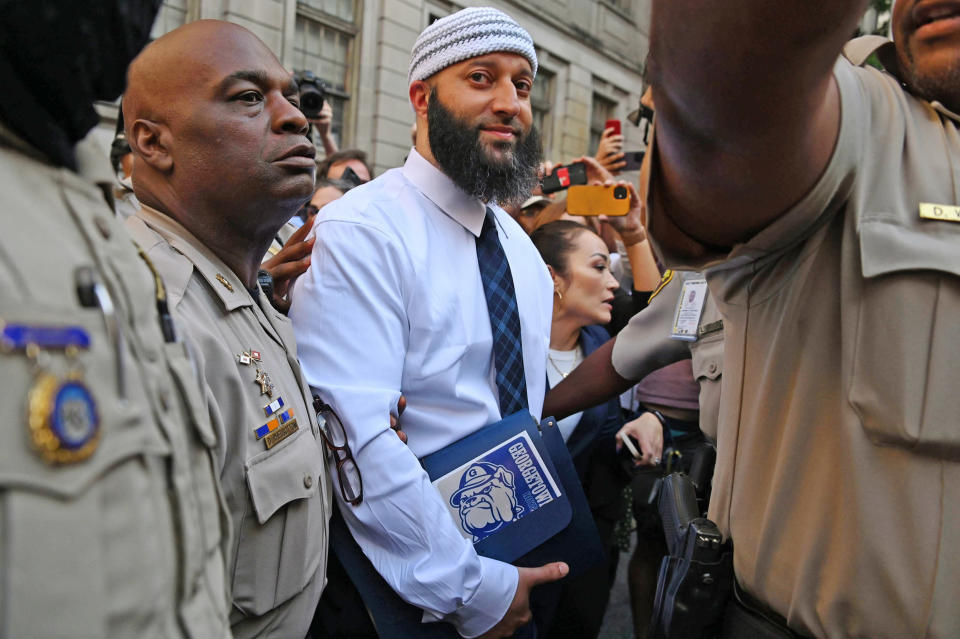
[[316, 108]]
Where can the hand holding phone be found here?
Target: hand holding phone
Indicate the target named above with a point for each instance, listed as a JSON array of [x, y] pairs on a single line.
[[564, 177], [642, 441], [611, 200], [610, 149]]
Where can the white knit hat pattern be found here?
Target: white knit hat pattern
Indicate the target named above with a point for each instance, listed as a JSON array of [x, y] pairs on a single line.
[[467, 34]]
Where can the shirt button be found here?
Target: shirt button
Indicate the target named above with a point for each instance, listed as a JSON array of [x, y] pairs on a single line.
[[307, 481]]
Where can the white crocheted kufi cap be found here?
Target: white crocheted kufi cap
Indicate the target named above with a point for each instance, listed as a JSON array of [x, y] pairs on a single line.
[[467, 34]]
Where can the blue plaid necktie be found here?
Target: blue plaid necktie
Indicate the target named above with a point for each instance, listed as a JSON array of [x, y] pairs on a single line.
[[504, 318]]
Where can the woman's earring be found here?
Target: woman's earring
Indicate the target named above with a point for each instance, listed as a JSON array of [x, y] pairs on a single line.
[[559, 294]]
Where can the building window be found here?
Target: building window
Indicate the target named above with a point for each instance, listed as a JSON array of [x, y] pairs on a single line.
[[323, 42], [343, 9], [601, 111], [541, 102]]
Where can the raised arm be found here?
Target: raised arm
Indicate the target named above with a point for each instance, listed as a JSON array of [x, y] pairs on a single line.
[[747, 110]]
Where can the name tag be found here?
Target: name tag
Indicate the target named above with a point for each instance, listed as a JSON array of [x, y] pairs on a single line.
[[281, 433], [945, 212], [686, 318]]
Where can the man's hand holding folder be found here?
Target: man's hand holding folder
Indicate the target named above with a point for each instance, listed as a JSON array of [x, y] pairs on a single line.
[[518, 614]]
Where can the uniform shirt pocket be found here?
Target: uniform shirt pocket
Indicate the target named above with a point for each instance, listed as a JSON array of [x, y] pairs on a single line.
[[707, 356], [282, 541], [907, 335]]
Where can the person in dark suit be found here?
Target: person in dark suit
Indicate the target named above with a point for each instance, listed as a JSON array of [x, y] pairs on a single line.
[[579, 264]]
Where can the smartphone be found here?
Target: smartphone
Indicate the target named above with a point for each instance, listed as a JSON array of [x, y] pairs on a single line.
[[613, 124], [564, 176], [598, 200], [632, 446], [633, 160]]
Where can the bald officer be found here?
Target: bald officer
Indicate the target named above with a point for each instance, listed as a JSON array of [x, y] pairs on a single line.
[[221, 162], [821, 200], [110, 517]]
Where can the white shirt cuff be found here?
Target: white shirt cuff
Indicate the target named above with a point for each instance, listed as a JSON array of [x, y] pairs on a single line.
[[489, 602]]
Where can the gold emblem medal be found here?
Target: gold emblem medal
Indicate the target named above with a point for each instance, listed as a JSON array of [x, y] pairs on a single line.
[[62, 417]]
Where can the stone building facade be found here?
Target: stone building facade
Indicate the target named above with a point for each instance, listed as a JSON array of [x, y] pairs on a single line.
[[591, 56]]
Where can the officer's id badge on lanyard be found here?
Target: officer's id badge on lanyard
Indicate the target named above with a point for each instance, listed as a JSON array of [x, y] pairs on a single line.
[[686, 317]]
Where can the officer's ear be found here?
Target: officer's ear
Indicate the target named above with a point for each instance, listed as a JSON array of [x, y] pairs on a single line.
[[151, 142]]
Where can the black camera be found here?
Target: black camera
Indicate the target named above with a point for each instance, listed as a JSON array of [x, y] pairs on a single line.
[[312, 93], [620, 193]]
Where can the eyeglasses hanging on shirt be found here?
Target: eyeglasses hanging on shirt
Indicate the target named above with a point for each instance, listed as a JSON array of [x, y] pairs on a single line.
[[335, 437]]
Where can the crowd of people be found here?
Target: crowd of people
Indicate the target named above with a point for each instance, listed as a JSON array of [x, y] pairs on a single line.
[[227, 360]]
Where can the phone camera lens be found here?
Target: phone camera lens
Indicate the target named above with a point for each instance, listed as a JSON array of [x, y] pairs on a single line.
[[620, 193]]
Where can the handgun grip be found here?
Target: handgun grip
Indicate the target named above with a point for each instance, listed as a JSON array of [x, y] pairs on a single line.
[[678, 507]]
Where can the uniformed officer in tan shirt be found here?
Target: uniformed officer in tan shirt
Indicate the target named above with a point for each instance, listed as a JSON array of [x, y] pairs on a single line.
[[222, 161], [820, 198], [111, 522]]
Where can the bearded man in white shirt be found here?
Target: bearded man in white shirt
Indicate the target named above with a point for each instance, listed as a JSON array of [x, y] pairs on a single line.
[[394, 302]]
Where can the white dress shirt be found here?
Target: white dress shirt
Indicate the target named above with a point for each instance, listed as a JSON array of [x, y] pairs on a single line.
[[393, 303]]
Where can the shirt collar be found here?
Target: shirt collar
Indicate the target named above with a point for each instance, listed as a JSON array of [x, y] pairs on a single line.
[[221, 279], [440, 189]]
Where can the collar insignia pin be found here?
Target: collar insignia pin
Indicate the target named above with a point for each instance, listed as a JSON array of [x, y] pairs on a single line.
[[223, 280]]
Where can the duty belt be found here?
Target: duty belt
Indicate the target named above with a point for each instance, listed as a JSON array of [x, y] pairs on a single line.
[[746, 618]]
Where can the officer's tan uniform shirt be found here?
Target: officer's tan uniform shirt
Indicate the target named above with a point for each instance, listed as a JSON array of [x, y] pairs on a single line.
[[126, 542], [644, 345], [278, 497], [839, 437]]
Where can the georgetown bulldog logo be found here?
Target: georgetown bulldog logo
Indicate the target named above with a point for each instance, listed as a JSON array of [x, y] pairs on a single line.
[[487, 499]]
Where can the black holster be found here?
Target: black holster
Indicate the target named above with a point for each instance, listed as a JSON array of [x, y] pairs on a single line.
[[696, 577]]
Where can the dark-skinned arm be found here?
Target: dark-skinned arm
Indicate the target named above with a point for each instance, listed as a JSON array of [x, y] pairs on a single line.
[[747, 111], [593, 382]]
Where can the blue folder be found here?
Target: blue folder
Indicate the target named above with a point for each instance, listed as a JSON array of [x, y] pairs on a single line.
[[555, 524], [502, 488]]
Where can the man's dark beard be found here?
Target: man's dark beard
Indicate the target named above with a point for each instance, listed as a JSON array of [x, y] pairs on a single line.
[[458, 150]]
